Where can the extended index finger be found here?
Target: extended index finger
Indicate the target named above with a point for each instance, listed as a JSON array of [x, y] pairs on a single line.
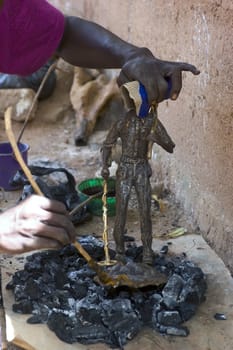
[[188, 68]]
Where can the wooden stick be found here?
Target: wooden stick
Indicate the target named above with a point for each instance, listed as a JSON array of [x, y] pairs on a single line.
[[51, 68], [17, 153], [26, 170], [79, 206], [34, 185]]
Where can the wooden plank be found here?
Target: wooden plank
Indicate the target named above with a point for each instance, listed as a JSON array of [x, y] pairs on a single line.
[[205, 331]]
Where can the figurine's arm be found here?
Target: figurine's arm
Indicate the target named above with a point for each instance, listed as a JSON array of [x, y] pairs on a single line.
[[106, 150], [161, 137]]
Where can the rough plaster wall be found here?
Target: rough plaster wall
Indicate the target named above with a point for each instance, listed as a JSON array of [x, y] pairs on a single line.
[[200, 171]]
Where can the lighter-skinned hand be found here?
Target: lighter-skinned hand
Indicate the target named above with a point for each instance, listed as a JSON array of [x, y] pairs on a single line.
[[35, 223]]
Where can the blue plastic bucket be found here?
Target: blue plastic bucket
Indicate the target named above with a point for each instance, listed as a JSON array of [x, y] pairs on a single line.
[[9, 165]]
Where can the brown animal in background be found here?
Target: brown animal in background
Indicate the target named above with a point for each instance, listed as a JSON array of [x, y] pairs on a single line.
[[90, 91]]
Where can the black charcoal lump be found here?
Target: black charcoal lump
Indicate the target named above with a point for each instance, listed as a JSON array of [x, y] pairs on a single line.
[[58, 288]]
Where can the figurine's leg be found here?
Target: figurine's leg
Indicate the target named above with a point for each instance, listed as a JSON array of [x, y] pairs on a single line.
[[143, 190], [123, 187]]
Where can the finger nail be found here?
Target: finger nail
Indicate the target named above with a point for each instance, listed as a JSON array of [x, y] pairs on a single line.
[[174, 97]]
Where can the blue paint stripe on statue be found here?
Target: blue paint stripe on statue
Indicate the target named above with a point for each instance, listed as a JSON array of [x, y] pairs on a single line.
[[144, 108]]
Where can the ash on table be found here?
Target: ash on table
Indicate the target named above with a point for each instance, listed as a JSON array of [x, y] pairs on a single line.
[[58, 288]]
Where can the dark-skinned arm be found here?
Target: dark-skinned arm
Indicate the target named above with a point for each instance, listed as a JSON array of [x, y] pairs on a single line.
[[87, 44]]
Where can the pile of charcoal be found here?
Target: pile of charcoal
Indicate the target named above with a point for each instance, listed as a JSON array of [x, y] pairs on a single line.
[[59, 289]]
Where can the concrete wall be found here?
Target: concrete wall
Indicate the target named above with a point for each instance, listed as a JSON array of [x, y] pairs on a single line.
[[201, 121]]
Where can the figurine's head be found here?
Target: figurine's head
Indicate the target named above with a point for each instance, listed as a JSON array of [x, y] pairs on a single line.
[[128, 101], [135, 97]]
